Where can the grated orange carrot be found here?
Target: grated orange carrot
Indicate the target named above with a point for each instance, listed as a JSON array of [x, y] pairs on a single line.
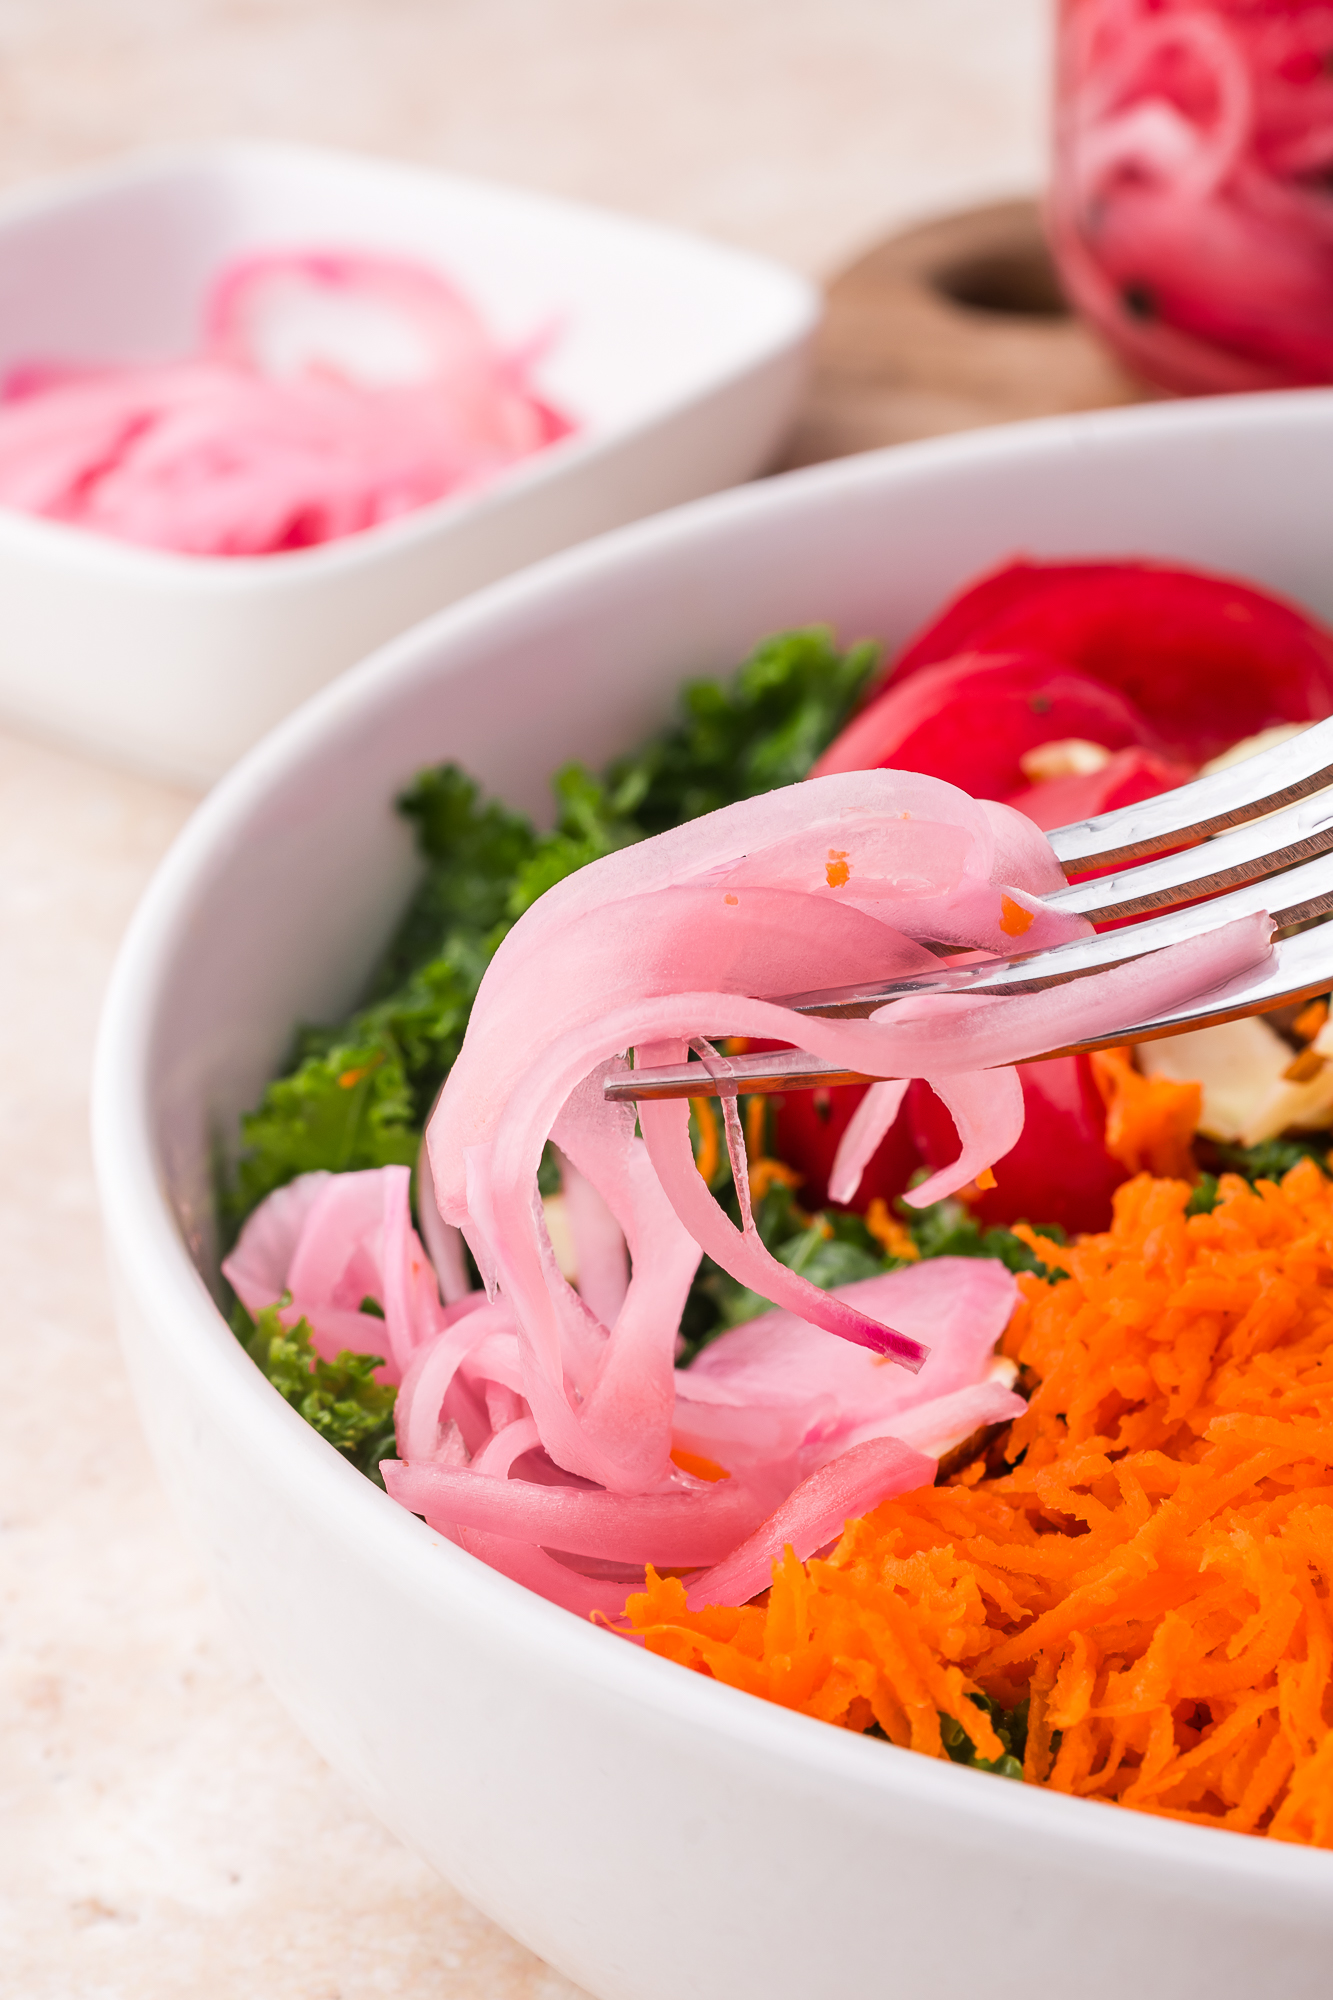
[[1150, 1120], [1014, 919], [709, 1156], [1153, 1574], [766, 1172], [887, 1230], [701, 1468]]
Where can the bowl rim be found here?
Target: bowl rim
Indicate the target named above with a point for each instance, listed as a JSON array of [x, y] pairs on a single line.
[[795, 308], [150, 1253]]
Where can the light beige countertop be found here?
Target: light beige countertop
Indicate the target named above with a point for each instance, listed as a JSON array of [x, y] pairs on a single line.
[[163, 1829]]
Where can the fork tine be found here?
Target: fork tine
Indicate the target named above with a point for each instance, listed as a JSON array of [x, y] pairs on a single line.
[[1303, 893], [1245, 791], [1246, 853], [1290, 853], [1301, 966]]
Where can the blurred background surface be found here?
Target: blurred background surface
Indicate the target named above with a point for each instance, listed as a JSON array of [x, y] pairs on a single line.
[[798, 127], [163, 1830]]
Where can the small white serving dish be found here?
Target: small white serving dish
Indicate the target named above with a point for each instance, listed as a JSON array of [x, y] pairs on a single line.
[[681, 359], [651, 1833]]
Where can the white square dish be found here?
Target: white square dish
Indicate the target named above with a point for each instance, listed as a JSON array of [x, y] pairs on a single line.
[[652, 1833], [679, 359]]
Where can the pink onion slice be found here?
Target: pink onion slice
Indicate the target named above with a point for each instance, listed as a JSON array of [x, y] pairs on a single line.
[[333, 1241], [538, 1420], [667, 1135], [443, 1242], [987, 1108], [684, 1529], [813, 1516], [869, 1127], [600, 1252], [334, 393], [776, 1397]]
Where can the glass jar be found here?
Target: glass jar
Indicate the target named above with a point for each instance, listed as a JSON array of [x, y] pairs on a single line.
[[1191, 207]]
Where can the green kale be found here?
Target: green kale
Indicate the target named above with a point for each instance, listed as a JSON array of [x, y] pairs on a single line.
[[347, 1107], [947, 1229], [1205, 1196], [590, 822], [1272, 1158], [763, 728], [358, 1093], [473, 851], [1010, 1725], [340, 1399]]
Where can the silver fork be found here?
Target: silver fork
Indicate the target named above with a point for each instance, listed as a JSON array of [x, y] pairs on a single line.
[[1260, 831]]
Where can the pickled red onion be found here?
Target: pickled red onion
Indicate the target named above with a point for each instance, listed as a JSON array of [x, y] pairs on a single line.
[[333, 393], [537, 1423], [1190, 213]]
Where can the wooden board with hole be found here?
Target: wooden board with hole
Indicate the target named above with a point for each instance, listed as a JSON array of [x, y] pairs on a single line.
[[952, 325]]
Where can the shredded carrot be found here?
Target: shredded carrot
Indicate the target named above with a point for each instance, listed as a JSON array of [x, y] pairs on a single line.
[[886, 1229], [1153, 1574], [700, 1468], [1150, 1120], [1014, 919], [709, 1156], [756, 1127], [766, 1172]]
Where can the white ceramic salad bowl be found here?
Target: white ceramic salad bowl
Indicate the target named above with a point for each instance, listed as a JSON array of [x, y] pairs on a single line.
[[679, 359], [650, 1832]]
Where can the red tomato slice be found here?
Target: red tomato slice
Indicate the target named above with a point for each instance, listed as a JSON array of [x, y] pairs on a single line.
[[970, 719], [1163, 666], [1207, 660], [1059, 1171]]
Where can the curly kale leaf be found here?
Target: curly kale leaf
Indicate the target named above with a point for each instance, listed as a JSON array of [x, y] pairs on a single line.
[[473, 850], [349, 1106], [358, 1093], [763, 728], [1010, 1725], [1272, 1158], [340, 1399], [1205, 1197], [947, 1229]]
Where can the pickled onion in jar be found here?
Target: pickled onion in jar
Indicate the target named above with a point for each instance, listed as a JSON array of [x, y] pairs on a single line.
[[1191, 213]]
